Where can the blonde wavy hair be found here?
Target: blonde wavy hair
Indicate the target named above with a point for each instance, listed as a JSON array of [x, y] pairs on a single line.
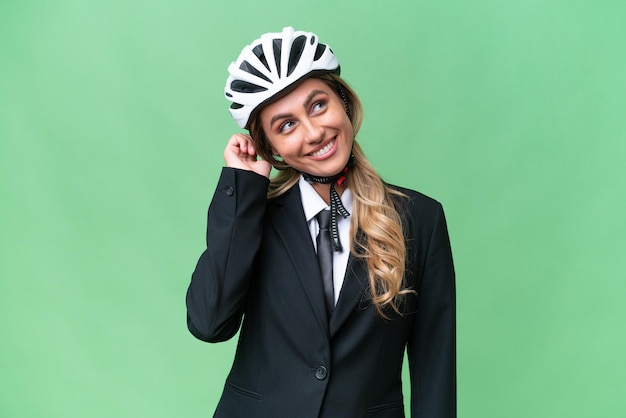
[[376, 225]]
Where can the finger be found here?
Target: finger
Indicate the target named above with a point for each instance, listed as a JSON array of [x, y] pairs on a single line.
[[242, 143], [235, 142], [236, 146], [249, 145]]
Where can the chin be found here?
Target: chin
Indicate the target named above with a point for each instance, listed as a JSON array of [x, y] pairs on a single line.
[[326, 172], [327, 168]]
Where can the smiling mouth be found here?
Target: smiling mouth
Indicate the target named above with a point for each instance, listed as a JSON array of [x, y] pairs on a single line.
[[324, 150]]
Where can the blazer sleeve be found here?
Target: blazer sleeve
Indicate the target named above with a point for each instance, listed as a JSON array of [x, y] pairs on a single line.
[[217, 292], [432, 345]]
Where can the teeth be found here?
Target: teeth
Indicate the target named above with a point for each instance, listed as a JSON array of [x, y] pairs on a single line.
[[323, 150]]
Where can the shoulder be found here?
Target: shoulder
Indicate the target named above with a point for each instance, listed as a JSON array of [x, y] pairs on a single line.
[[415, 204], [424, 224]]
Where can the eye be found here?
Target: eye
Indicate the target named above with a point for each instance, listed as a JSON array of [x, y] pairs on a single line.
[[285, 126], [318, 106]]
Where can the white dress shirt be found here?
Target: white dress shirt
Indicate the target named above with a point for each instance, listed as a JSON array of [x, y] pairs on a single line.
[[312, 203]]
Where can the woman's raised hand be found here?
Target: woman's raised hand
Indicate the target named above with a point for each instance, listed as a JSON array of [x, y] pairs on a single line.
[[240, 153]]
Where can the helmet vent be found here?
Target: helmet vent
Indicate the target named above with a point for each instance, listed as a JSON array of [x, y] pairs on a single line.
[[319, 51], [277, 45], [247, 67], [258, 51], [296, 52], [236, 106], [241, 86]]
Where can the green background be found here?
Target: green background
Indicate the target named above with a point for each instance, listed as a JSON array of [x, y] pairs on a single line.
[[112, 126]]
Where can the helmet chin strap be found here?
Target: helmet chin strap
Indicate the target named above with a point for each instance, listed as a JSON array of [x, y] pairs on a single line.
[[336, 207]]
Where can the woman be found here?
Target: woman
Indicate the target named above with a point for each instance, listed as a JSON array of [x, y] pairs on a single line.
[[322, 335]]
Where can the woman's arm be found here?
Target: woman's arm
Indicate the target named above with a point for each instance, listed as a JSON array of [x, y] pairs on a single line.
[[432, 347], [219, 284], [220, 281]]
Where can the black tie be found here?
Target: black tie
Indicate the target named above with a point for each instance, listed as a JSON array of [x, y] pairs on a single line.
[[325, 258]]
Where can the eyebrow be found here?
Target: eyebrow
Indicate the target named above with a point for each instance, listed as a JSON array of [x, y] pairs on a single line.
[[306, 104], [310, 97]]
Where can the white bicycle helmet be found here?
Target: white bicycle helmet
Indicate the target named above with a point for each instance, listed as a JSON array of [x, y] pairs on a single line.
[[269, 65]]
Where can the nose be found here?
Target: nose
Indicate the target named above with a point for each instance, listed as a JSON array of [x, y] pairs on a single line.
[[313, 132]]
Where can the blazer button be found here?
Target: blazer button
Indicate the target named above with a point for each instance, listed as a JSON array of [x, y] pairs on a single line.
[[321, 373], [230, 190]]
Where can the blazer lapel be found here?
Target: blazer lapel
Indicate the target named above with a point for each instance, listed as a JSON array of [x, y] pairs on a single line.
[[290, 225], [354, 285]]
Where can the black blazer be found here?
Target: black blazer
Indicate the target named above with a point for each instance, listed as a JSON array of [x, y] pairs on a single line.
[[291, 361]]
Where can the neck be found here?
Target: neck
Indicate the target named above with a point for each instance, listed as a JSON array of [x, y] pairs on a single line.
[[324, 191], [322, 185]]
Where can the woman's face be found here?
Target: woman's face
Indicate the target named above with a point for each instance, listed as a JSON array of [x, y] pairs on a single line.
[[309, 129]]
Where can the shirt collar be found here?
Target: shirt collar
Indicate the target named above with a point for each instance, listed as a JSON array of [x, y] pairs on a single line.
[[312, 203]]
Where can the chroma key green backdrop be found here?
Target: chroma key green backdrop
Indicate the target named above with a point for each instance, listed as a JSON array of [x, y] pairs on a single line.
[[112, 126]]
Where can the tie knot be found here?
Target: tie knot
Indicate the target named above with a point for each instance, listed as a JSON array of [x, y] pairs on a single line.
[[323, 219]]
